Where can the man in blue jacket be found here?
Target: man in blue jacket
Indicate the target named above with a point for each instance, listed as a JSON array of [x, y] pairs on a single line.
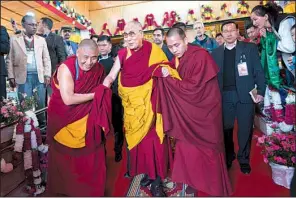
[[202, 39], [70, 46]]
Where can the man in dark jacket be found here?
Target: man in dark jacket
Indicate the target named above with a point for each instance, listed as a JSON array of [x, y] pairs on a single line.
[[54, 43], [239, 71], [4, 50], [105, 58], [158, 38]]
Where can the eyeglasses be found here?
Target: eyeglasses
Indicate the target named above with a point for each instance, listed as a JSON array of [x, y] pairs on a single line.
[[130, 34], [32, 24]]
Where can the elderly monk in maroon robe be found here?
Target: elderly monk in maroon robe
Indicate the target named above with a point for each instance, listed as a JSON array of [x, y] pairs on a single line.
[[191, 110], [79, 115], [142, 123]]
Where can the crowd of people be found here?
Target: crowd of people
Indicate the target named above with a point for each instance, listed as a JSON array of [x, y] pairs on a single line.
[[173, 102]]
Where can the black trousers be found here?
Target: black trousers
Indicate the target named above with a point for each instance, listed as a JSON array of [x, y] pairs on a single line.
[[3, 93], [233, 108], [117, 121]]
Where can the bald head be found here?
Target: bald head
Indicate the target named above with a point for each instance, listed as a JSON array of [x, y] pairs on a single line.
[[176, 41], [87, 54], [176, 32], [88, 43]]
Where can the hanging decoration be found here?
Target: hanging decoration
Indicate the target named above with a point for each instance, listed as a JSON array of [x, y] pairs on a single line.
[[28, 142], [150, 22], [190, 17], [243, 8], [166, 20], [120, 27], [105, 29], [207, 13], [224, 9], [69, 12], [174, 18]]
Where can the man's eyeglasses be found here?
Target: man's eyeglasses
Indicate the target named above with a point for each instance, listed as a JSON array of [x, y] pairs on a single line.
[[130, 34]]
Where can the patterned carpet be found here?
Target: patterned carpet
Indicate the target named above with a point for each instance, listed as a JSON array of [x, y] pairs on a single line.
[[170, 188]]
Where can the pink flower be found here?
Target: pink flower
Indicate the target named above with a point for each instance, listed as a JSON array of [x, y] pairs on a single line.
[[3, 110], [275, 147], [19, 113], [293, 159], [6, 115], [265, 159], [261, 139], [13, 108], [293, 147]]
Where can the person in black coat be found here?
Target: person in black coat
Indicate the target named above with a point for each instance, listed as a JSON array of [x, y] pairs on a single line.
[[5, 47], [55, 45], [106, 59], [239, 71]]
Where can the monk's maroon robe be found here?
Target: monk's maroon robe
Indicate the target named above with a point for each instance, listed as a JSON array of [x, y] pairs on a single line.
[[192, 114], [79, 171], [149, 156]]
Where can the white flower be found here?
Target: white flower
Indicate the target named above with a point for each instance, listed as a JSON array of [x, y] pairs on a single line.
[[290, 99], [36, 173], [33, 140], [32, 116], [28, 120], [27, 128], [24, 95], [43, 148], [285, 127], [34, 90]]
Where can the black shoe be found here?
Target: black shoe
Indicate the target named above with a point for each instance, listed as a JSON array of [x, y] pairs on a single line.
[[127, 175], [145, 181], [157, 190], [245, 168], [189, 190], [118, 157], [229, 161]]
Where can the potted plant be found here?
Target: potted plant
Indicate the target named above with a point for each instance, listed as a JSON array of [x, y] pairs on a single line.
[[10, 114], [279, 151]]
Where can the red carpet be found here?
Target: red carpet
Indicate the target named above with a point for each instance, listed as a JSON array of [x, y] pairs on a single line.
[[258, 183]]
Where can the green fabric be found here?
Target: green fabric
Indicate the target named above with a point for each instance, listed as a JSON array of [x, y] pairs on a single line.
[[269, 59]]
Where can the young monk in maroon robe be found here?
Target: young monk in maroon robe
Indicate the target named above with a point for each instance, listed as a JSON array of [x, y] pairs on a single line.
[[191, 110], [78, 112], [143, 125]]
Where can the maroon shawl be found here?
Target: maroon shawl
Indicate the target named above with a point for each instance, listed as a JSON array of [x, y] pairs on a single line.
[[99, 109], [191, 108]]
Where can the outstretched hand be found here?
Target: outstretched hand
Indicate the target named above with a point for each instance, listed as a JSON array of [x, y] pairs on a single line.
[[108, 82], [165, 72]]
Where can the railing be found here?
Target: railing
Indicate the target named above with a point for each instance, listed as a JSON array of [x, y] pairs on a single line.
[[41, 111]]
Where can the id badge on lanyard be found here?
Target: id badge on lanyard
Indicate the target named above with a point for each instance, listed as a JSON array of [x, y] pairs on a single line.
[[243, 67]]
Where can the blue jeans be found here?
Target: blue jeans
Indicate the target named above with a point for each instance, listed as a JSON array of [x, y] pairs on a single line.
[[32, 82]]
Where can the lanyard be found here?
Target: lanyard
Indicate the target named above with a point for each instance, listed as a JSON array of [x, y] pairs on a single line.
[[77, 69]]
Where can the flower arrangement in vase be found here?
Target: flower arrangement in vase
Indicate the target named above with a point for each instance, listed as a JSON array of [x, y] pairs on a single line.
[[279, 151]]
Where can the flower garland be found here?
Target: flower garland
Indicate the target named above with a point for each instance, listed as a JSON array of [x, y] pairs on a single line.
[[120, 27], [105, 29], [28, 141], [70, 12], [224, 9], [191, 18], [273, 108], [166, 20], [243, 8], [150, 22], [207, 13]]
